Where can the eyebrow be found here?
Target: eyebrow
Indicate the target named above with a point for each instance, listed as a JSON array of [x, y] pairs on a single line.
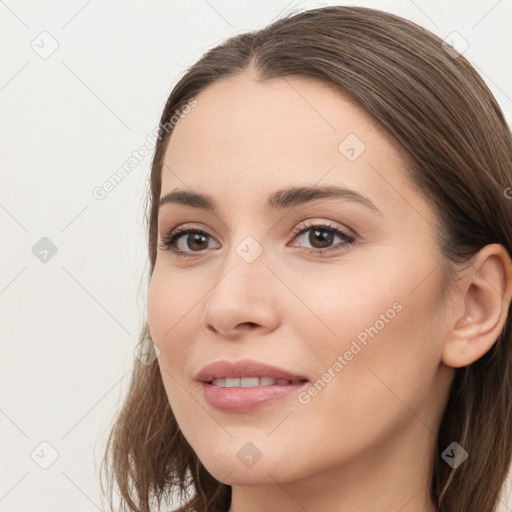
[[280, 199]]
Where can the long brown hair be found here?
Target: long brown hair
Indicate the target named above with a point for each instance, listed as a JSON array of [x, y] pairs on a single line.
[[445, 117]]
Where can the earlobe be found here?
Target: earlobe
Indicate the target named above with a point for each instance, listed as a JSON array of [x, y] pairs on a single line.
[[485, 298]]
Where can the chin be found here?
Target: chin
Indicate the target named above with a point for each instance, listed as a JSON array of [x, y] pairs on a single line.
[[234, 470]]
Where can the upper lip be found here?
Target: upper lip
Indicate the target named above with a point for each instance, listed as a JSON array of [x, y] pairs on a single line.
[[244, 368]]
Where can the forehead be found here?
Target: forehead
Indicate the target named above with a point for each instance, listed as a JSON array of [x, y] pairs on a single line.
[[257, 136]]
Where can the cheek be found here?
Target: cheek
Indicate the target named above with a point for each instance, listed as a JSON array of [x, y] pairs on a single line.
[[385, 337], [371, 335], [170, 316], [170, 312], [338, 304]]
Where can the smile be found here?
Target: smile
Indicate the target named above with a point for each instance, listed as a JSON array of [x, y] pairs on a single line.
[[250, 382]]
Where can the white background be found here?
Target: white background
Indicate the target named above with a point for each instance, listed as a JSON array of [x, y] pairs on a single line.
[[69, 326]]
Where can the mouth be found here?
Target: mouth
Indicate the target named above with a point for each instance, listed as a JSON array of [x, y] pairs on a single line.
[[251, 382], [246, 385], [251, 394], [240, 373]]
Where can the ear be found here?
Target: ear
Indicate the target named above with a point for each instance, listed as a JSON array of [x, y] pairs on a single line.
[[484, 299]]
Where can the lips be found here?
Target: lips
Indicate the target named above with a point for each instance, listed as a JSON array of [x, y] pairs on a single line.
[[233, 387], [245, 368]]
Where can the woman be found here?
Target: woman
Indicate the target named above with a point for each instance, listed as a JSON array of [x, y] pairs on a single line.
[[330, 231]]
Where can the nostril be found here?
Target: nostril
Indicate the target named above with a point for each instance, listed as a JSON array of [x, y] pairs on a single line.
[[250, 324]]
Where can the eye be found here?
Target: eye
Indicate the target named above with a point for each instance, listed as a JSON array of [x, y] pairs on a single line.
[[192, 237], [322, 236]]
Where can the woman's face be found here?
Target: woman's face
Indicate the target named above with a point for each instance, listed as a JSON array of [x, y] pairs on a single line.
[[362, 321]]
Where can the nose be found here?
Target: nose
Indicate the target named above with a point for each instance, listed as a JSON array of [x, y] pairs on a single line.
[[243, 298]]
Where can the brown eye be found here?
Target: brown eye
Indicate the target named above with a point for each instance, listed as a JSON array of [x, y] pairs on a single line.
[[195, 241], [321, 237], [185, 242]]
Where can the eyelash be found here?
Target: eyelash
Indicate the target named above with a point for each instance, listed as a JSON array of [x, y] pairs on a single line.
[[170, 239]]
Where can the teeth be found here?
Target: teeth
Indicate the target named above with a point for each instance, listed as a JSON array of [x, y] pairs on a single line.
[[249, 382]]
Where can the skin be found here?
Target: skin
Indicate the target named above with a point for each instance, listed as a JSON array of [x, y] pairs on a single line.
[[365, 442]]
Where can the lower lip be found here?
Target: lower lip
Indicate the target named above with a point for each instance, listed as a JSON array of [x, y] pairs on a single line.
[[247, 399]]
